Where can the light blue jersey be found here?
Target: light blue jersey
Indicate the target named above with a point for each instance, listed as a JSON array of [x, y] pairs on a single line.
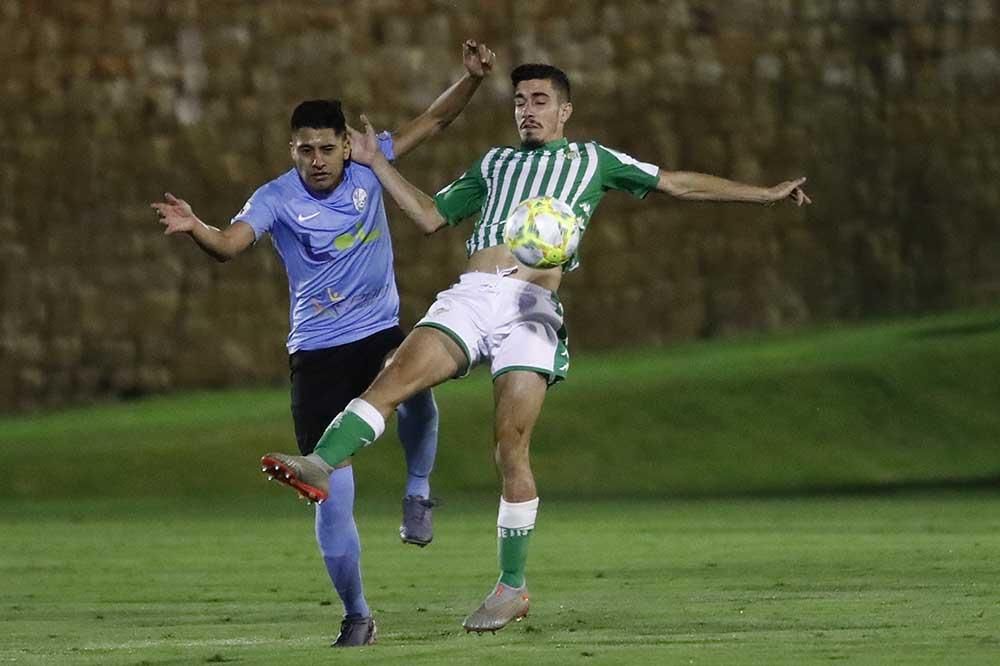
[[336, 251]]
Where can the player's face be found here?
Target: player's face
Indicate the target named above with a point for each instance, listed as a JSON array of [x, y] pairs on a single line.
[[539, 112], [319, 156]]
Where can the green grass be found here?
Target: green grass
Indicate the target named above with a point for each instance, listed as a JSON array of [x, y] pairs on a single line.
[[909, 402], [693, 512], [904, 579]]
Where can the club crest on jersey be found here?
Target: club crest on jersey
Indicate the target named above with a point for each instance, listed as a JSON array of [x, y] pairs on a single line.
[[360, 198]]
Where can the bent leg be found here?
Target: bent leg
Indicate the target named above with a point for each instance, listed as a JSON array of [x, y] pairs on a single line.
[[426, 358]]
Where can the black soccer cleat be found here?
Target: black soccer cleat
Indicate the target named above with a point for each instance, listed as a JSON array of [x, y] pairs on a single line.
[[356, 632]]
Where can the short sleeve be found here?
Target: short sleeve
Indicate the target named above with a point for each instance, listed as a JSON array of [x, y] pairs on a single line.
[[627, 174], [258, 212], [462, 198], [386, 145]]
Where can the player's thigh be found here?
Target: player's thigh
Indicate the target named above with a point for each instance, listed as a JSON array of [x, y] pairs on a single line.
[[325, 380], [426, 358], [518, 397], [319, 391]]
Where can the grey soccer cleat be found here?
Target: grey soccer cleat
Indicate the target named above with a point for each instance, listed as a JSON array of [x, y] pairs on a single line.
[[311, 480], [504, 605], [356, 632], [417, 527]]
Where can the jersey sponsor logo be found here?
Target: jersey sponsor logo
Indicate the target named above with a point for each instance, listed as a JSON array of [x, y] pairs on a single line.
[[336, 304], [360, 199], [359, 235], [305, 218]]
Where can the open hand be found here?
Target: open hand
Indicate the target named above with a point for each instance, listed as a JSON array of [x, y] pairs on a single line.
[[790, 189], [175, 214], [478, 58], [364, 144]]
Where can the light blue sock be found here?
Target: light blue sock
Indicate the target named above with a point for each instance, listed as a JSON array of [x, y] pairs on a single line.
[[418, 433], [337, 535]]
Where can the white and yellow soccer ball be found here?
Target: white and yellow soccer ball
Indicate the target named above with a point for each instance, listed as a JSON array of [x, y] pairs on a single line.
[[542, 232]]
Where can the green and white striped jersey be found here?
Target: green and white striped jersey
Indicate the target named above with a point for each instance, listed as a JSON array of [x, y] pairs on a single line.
[[578, 174]]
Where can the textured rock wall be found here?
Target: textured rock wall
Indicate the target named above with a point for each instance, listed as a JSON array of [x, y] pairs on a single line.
[[891, 107]]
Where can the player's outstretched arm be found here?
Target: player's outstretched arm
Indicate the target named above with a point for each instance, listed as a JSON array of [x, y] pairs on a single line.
[[417, 205], [478, 59], [703, 187], [221, 244]]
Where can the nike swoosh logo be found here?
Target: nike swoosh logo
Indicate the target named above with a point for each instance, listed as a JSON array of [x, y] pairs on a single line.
[[303, 218]]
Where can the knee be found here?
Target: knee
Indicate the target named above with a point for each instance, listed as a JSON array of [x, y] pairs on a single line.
[[511, 455]]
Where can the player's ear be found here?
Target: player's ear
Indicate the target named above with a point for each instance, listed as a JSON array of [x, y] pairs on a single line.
[[347, 145], [565, 111]]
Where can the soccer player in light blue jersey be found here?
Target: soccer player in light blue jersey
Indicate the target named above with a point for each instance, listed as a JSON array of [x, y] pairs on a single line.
[[502, 312], [328, 225]]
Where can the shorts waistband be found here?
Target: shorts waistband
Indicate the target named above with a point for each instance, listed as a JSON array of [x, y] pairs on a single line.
[[503, 282]]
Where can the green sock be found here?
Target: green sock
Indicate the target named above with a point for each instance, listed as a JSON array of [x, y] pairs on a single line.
[[344, 436], [512, 544]]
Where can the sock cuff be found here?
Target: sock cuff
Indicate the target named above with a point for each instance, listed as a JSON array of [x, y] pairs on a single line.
[[517, 515], [367, 413]]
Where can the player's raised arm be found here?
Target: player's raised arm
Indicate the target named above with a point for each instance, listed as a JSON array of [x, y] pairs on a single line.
[[417, 205], [478, 59], [221, 244], [703, 187]]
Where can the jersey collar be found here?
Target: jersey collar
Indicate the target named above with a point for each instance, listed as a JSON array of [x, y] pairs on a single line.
[[550, 147]]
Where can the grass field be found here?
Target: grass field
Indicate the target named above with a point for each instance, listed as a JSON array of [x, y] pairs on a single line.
[[907, 579], [809, 498]]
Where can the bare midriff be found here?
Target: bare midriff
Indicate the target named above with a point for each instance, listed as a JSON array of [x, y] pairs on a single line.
[[498, 259]]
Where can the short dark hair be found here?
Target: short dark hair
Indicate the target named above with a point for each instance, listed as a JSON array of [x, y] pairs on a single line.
[[532, 71], [319, 114]]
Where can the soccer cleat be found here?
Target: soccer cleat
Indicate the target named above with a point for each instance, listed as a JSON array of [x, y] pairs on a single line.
[[356, 632], [309, 479], [416, 527], [504, 605]]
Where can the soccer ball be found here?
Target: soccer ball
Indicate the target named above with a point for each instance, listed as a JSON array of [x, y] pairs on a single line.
[[542, 232]]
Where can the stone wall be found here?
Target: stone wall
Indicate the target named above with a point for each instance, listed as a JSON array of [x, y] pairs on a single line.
[[891, 107]]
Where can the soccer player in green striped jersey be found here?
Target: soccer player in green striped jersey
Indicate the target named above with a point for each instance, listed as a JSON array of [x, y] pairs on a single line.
[[500, 311]]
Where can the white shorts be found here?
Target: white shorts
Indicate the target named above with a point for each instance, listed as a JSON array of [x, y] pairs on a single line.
[[515, 324]]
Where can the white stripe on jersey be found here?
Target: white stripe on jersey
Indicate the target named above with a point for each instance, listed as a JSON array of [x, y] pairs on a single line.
[[539, 177], [628, 160], [556, 170], [519, 189], [588, 175], [509, 167], [564, 194]]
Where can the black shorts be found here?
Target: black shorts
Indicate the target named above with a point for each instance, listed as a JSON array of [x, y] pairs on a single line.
[[325, 380]]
